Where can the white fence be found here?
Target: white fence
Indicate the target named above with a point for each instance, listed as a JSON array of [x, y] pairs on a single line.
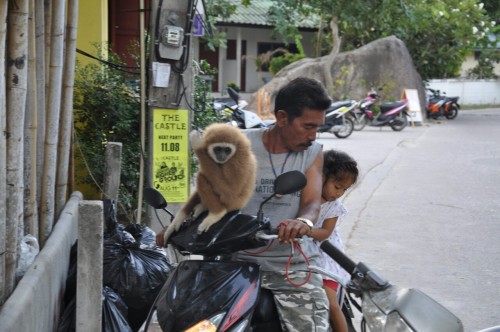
[[471, 92]]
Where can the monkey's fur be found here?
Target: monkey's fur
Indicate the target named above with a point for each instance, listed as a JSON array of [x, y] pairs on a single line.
[[226, 176]]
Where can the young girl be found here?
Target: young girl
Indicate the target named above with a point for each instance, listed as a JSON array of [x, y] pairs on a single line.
[[340, 172]]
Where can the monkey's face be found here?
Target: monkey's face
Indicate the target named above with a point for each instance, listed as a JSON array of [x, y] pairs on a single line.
[[221, 152]]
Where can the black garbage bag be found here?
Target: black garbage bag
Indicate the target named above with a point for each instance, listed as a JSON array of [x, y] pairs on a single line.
[[114, 312], [145, 235], [133, 266], [67, 322]]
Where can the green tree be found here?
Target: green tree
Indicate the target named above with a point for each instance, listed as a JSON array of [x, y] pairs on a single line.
[[106, 109], [218, 8], [438, 33]]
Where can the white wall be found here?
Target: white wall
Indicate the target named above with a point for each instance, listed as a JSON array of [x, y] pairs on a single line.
[[471, 92], [252, 37]]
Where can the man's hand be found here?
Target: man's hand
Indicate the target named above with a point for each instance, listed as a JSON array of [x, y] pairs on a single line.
[[290, 229]]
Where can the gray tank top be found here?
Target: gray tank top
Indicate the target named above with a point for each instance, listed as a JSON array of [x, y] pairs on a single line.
[[277, 209]]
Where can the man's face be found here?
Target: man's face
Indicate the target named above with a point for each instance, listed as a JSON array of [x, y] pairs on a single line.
[[299, 134]]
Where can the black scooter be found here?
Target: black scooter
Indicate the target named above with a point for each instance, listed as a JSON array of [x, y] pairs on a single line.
[[217, 294], [240, 117]]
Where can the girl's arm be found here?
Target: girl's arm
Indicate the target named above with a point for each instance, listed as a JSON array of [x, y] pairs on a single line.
[[325, 231]]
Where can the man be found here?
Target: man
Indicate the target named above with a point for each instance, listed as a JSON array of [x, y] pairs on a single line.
[[290, 145]]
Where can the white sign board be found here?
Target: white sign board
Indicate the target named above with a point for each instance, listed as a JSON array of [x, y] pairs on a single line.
[[161, 74], [413, 105]]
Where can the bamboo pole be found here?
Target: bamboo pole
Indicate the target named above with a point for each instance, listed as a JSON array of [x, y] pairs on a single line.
[[3, 147], [40, 87], [143, 109], [52, 123], [66, 122], [17, 73], [30, 134]]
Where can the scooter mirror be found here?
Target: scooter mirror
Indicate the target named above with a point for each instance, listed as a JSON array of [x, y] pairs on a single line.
[[289, 182], [154, 198], [233, 94]]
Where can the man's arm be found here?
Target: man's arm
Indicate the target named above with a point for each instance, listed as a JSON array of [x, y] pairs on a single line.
[[310, 202]]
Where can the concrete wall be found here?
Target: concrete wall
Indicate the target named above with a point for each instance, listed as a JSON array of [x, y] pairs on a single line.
[[36, 302], [471, 92]]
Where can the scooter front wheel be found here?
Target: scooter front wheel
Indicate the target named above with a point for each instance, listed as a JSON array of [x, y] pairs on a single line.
[[399, 123], [360, 120], [346, 130], [452, 112]]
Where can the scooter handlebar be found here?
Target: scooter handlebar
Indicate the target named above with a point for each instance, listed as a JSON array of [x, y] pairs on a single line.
[[338, 256]]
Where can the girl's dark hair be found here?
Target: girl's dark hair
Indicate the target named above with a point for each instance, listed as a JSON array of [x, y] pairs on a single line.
[[339, 165]]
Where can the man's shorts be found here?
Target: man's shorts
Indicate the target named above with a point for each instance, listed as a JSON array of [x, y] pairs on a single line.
[[301, 308]]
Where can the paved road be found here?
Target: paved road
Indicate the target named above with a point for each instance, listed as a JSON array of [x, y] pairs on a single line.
[[426, 211]]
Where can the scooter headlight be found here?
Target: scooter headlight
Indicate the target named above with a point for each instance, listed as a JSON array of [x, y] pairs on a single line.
[[207, 325], [396, 323], [378, 309]]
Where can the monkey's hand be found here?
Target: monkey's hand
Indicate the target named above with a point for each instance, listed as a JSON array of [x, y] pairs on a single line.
[[211, 219], [196, 139], [174, 226]]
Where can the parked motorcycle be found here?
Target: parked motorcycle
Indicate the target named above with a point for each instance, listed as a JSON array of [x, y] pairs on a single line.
[[438, 105], [386, 307], [393, 114], [240, 117], [336, 120], [217, 294]]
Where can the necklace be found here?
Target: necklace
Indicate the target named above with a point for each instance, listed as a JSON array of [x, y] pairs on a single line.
[[282, 166]]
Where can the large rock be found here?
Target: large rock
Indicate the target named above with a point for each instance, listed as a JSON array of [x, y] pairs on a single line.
[[384, 61]]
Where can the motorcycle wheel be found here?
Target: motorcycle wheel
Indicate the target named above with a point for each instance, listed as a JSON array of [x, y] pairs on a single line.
[[400, 122], [346, 130], [359, 121], [452, 112]]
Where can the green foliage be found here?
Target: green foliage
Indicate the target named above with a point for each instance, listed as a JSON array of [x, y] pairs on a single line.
[[234, 86], [485, 69], [437, 33], [204, 113], [107, 109], [218, 8], [340, 90], [279, 62]]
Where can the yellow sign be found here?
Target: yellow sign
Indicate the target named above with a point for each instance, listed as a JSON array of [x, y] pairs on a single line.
[[171, 154]]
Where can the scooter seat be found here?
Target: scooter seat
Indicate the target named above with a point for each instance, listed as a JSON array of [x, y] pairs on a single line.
[[389, 106], [455, 99], [338, 104]]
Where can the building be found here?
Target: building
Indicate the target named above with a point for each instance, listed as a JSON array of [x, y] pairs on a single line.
[[250, 34]]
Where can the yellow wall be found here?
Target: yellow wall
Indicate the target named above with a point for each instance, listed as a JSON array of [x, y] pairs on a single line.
[[92, 27], [92, 30]]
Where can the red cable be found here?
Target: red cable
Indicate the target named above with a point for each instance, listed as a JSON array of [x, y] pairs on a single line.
[[299, 248], [260, 251]]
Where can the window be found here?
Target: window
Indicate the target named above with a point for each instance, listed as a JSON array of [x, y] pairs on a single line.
[[231, 49]]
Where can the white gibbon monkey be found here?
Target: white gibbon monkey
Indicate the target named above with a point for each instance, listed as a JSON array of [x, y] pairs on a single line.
[[226, 176]]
